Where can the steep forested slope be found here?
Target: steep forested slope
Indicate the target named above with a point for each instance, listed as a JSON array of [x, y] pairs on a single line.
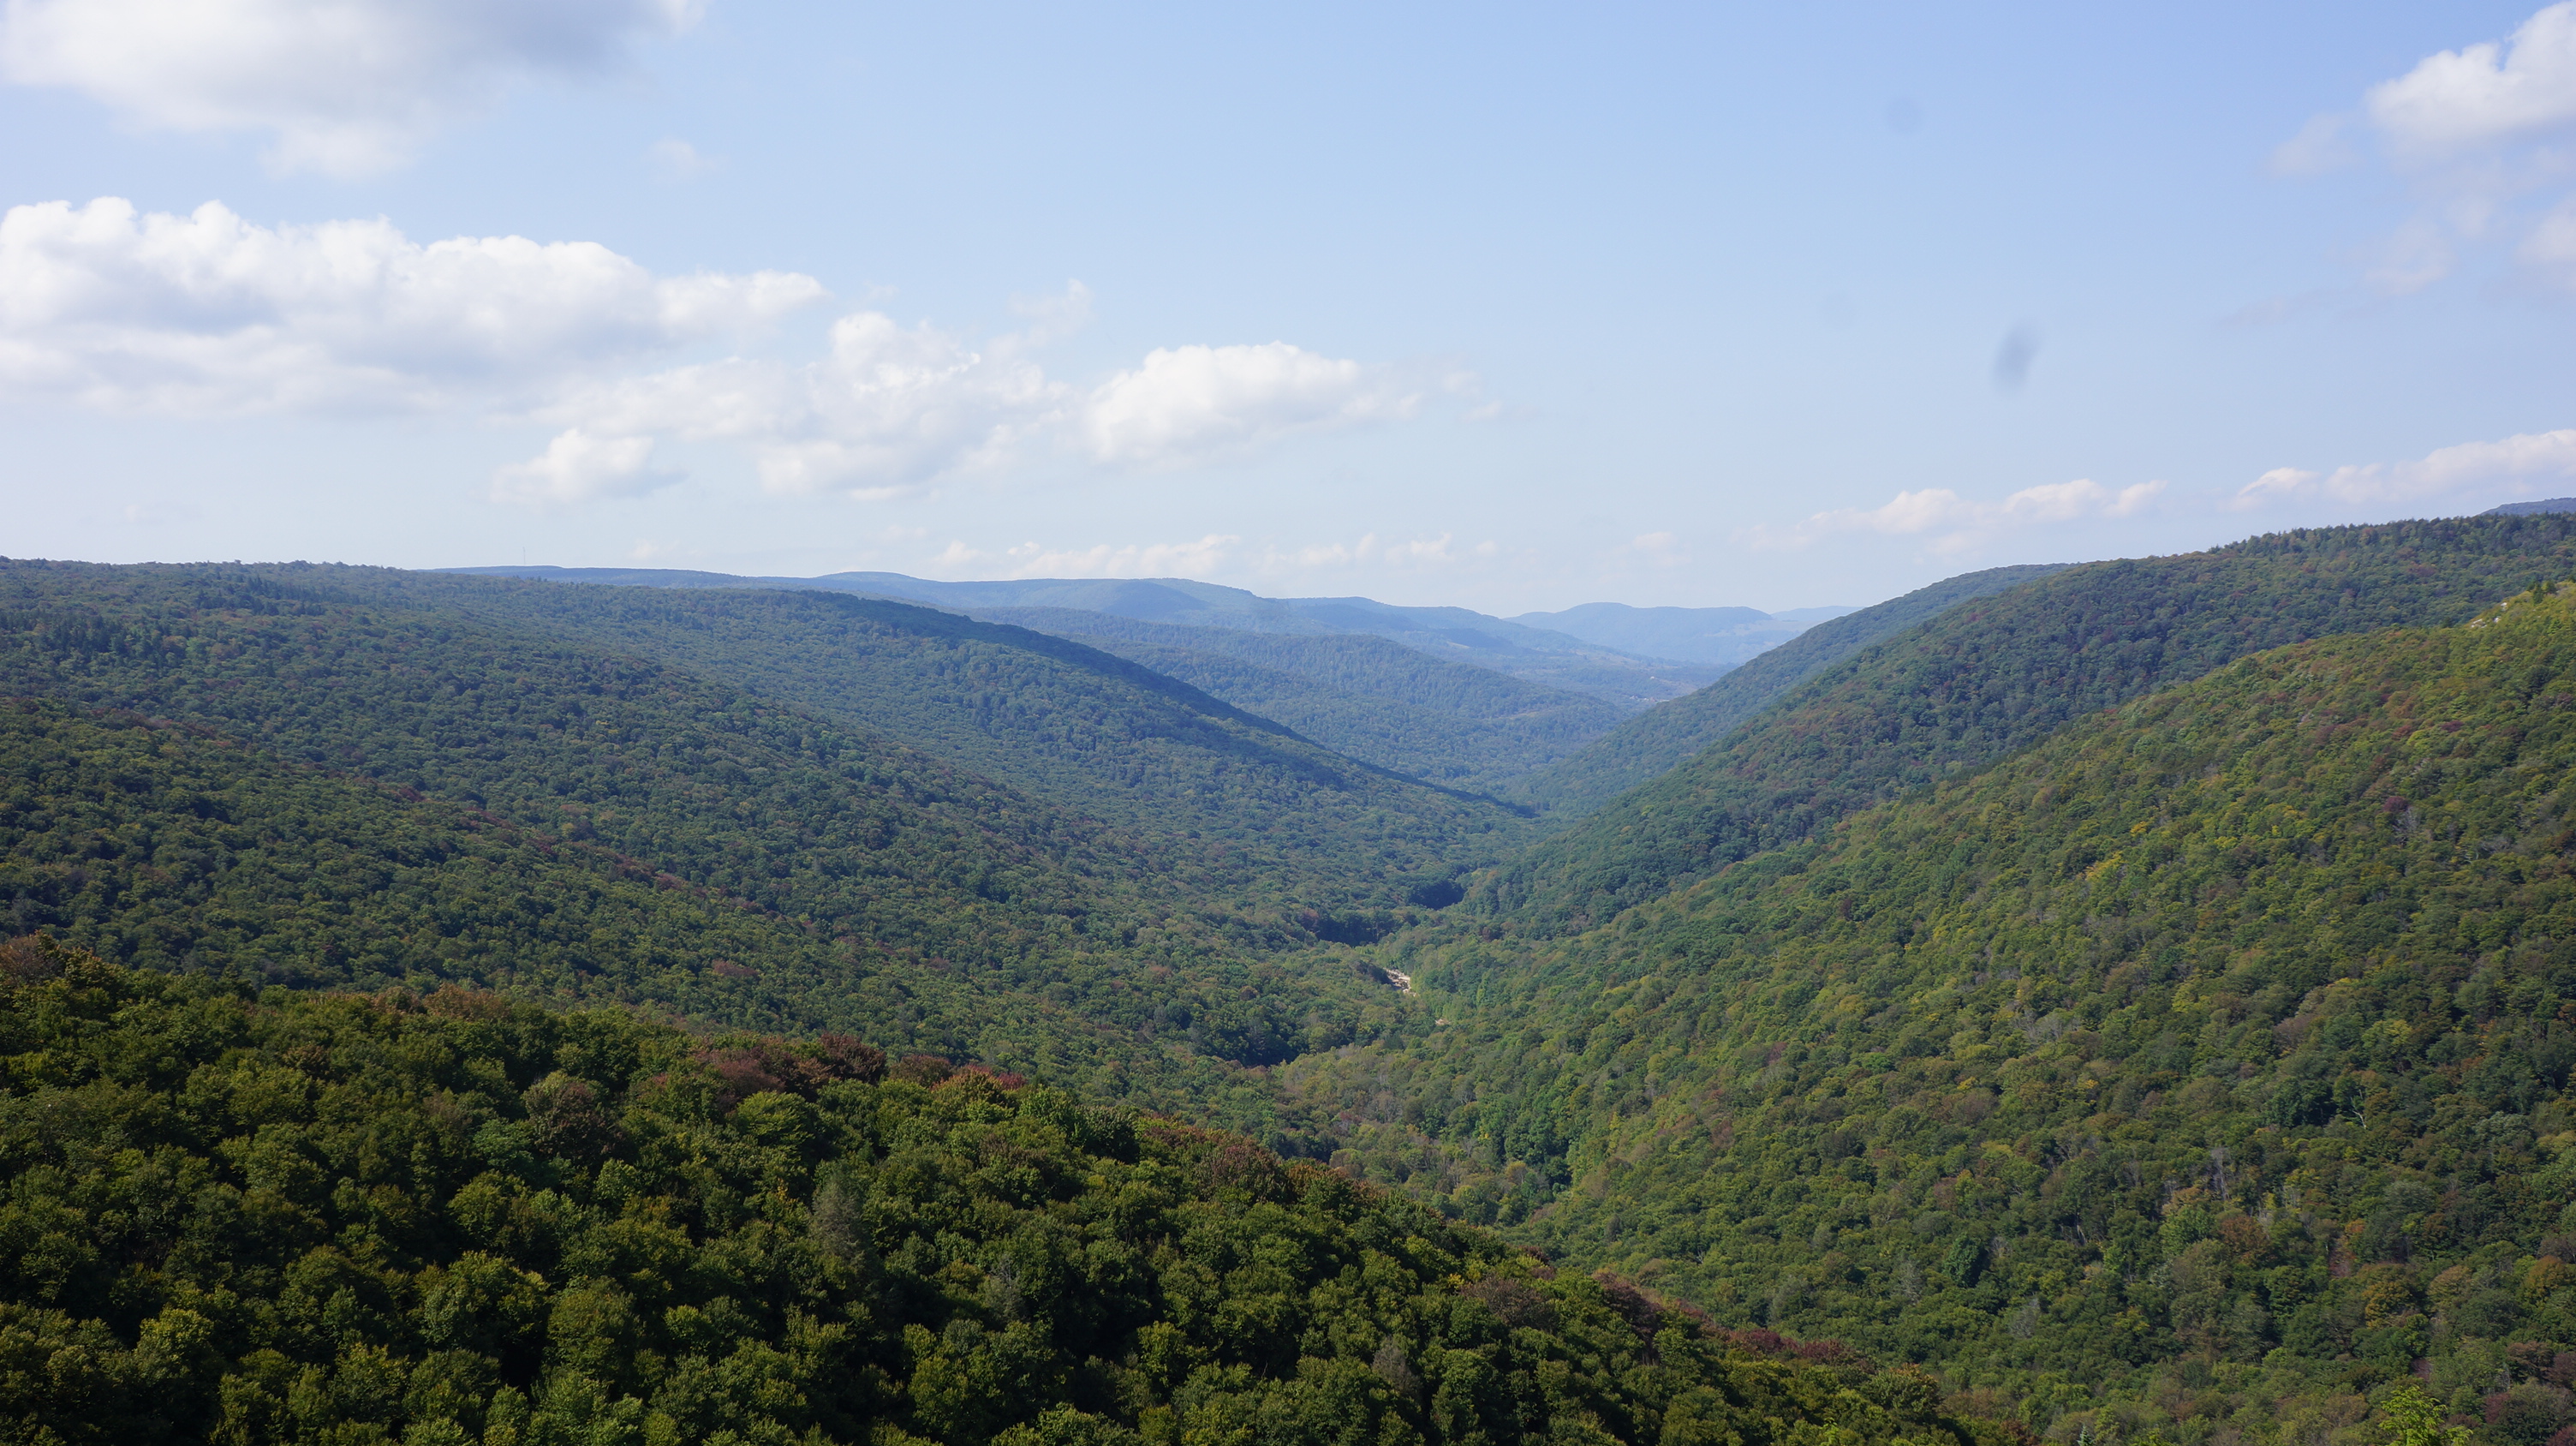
[[888, 888], [1255, 821], [178, 849], [2204, 1065], [1274, 817], [1669, 734], [1980, 681], [448, 1219], [1366, 697], [164, 847]]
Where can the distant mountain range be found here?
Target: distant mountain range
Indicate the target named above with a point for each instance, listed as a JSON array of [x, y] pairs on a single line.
[[1628, 656], [1728, 636]]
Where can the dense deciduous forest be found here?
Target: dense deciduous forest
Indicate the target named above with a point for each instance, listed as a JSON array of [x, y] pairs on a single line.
[[1653, 743], [1370, 698], [277, 1216], [862, 880], [1267, 814], [1976, 683], [165, 849], [2045, 1006], [2198, 1070]]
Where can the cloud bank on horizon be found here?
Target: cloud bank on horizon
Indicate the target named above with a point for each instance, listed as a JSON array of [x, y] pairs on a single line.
[[1950, 524], [2532, 460]]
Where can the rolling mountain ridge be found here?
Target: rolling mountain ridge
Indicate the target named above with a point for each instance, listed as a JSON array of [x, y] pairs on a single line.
[[1655, 742], [1728, 636], [1974, 683], [2200, 1068], [2120, 1003], [1537, 655], [1361, 695]]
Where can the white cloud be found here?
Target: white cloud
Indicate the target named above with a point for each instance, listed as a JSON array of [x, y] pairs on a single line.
[[1189, 403], [1962, 521], [2081, 498], [889, 410], [345, 87], [2483, 95], [208, 314], [893, 410], [577, 467], [2530, 457], [1371, 550], [1907, 512], [2474, 131], [1154, 559]]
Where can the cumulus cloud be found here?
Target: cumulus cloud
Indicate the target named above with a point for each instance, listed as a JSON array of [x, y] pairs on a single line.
[[2470, 466], [1961, 521], [1149, 559], [578, 467], [1189, 403], [892, 410], [2482, 95], [886, 411], [208, 314], [2475, 131], [344, 87]]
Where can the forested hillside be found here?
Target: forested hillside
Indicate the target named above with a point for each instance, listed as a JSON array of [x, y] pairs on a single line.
[[340, 793], [1668, 735], [435, 1014], [1366, 697], [1976, 683], [1538, 654], [1273, 817], [171, 848], [1458, 635], [449, 1219], [2200, 1070], [1252, 820]]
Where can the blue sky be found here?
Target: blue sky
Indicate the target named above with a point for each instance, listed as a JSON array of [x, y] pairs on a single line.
[[1505, 306]]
